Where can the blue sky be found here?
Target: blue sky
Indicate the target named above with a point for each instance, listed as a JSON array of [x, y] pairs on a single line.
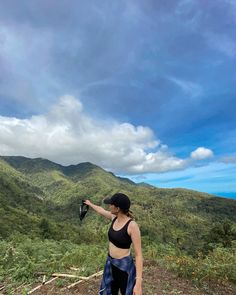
[[143, 88]]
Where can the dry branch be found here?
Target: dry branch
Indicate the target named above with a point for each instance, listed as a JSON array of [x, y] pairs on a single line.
[[48, 282], [36, 288], [85, 279], [65, 275], [74, 284], [39, 286]]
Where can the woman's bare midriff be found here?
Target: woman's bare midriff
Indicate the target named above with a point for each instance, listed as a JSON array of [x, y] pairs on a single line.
[[116, 252]]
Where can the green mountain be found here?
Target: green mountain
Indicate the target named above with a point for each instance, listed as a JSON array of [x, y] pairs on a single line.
[[33, 189], [20, 201], [63, 183]]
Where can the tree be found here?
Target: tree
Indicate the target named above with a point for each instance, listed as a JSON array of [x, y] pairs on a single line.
[[222, 233]]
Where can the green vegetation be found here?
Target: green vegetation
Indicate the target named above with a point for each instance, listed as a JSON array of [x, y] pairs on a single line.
[[219, 264], [22, 258], [189, 232]]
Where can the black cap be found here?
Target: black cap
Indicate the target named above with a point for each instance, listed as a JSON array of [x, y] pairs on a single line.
[[119, 200]]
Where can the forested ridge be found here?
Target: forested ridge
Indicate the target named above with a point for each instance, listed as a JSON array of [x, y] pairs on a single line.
[[191, 233]]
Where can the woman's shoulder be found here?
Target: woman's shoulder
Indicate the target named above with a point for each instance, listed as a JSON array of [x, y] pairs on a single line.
[[132, 226], [133, 223]]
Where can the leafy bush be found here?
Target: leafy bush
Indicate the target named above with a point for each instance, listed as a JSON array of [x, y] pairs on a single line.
[[220, 265]]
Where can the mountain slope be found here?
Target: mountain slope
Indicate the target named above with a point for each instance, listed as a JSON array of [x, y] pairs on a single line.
[[20, 201], [61, 183], [17, 189], [24, 206], [179, 216]]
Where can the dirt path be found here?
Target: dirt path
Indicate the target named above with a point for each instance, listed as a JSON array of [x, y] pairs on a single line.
[[157, 281]]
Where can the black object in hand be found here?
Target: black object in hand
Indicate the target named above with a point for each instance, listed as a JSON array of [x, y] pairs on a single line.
[[83, 209]]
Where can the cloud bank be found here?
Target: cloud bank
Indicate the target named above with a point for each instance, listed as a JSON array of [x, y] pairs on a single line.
[[67, 135]]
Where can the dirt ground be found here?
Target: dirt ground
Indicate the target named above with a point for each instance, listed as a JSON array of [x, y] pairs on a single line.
[[156, 281]]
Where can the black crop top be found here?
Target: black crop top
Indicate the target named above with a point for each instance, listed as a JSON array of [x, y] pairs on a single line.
[[120, 238]]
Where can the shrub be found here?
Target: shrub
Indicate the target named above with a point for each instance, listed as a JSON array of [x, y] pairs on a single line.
[[218, 265]]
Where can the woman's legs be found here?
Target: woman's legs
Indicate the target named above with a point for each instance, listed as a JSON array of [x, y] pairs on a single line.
[[120, 279], [114, 288]]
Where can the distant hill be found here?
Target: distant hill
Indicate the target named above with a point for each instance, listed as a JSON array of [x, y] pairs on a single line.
[[33, 189]]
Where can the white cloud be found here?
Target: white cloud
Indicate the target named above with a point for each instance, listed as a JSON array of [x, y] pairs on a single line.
[[67, 135], [160, 161], [201, 153]]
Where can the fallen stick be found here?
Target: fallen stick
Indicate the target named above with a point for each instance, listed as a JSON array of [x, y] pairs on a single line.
[[65, 275], [40, 286], [53, 279], [85, 279], [36, 288], [74, 284], [99, 273]]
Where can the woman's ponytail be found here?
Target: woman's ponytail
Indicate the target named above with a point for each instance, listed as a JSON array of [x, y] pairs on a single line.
[[130, 214]]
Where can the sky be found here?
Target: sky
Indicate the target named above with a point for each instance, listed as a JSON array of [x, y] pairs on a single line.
[[145, 89]]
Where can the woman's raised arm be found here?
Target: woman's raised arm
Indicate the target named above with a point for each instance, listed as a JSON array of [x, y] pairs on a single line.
[[99, 210]]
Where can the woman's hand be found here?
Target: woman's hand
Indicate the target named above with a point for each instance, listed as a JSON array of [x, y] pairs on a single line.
[[137, 289], [87, 202]]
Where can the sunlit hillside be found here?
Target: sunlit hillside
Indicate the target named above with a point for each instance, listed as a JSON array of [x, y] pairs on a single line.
[[39, 221]]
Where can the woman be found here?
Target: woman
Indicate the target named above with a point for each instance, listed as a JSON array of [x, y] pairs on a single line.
[[120, 272]]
